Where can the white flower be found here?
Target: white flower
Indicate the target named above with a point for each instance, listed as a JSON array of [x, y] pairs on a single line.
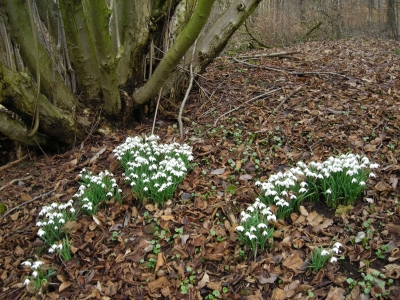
[[26, 263], [41, 232], [272, 217], [37, 264], [362, 183], [303, 184], [373, 166], [328, 191], [35, 274], [333, 259], [353, 180], [39, 224], [372, 175], [324, 252], [250, 208], [72, 210], [252, 228], [252, 236], [349, 172], [239, 228], [27, 281], [337, 245], [262, 225], [284, 193], [302, 190]]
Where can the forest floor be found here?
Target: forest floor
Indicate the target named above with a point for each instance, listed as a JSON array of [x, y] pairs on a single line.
[[330, 98]]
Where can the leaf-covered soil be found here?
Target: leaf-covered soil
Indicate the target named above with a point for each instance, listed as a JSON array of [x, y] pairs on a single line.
[[349, 103]]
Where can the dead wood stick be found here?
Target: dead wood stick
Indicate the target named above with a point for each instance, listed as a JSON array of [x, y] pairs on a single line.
[[255, 66], [171, 115], [288, 97], [291, 73], [27, 202], [252, 99], [14, 180], [13, 163], [278, 54]]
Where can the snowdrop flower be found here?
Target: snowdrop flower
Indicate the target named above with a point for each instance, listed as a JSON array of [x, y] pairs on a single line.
[[36, 264], [324, 252], [303, 184], [26, 263], [372, 175], [373, 166], [302, 190], [353, 180], [271, 218], [333, 259], [262, 225], [328, 191], [27, 281], [250, 208], [35, 274], [252, 236], [239, 228], [41, 232], [349, 173], [252, 228], [362, 183]]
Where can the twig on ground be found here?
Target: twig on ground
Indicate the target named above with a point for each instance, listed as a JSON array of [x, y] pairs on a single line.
[[186, 94], [288, 97], [14, 180], [291, 73], [13, 163], [26, 202], [253, 37], [278, 54], [252, 99], [171, 115]]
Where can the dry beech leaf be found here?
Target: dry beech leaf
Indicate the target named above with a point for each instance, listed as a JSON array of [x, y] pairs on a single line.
[[278, 294], [202, 283], [293, 262], [218, 171], [64, 285], [14, 217], [335, 293]]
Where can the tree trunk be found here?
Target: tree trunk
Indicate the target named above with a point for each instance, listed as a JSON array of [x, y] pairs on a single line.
[[94, 54]]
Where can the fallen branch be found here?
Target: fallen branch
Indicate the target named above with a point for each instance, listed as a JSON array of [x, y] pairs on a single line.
[[291, 73], [27, 202], [252, 99], [13, 163], [277, 54], [288, 97], [171, 115], [15, 180]]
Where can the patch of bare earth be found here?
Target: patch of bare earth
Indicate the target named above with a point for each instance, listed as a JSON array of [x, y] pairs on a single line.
[[252, 117]]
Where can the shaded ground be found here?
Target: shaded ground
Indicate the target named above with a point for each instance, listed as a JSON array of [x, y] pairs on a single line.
[[236, 140]]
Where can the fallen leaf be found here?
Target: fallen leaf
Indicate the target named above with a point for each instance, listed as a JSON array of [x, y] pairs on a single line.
[[335, 293], [204, 280], [218, 171], [64, 285]]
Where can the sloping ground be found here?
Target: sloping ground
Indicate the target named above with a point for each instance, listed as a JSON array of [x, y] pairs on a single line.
[[330, 98]]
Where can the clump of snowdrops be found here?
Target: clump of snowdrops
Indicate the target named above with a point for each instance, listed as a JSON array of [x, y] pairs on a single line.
[[338, 180], [285, 191], [255, 230], [320, 256], [96, 189], [53, 231], [153, 170], [38, 280]]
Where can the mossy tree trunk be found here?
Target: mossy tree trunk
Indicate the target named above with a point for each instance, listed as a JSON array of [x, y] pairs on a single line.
[[95, 56]]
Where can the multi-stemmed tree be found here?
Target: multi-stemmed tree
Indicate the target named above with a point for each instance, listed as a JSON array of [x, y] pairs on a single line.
[[63, 60]]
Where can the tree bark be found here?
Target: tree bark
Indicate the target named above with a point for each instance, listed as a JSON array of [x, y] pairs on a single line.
[[18, 94], [97, 15], [175, 53], [22, 36]]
